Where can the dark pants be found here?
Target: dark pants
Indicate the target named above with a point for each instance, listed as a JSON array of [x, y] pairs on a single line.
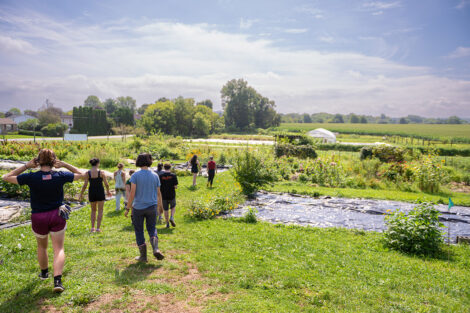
[[211, 174], [150, 216]]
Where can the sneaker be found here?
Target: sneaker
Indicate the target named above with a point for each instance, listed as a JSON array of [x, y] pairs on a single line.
[[98, 230], [43, 277], [172, 221], [58, 288], [167, 225], [92, 230]]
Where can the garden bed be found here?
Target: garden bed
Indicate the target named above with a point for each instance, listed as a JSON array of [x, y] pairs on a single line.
[[365, 214]]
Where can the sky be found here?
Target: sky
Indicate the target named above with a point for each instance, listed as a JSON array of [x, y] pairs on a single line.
[[368, 57]]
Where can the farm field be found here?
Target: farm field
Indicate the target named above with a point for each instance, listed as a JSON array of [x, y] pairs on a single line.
[[222, 265], [427, 131], [229, 265]]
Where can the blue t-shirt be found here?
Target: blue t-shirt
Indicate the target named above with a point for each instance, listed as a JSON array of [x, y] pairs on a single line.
[[146, 193], [45, 188]]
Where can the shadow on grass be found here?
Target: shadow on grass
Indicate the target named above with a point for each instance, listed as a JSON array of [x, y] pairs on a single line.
[[192, 188], [115, 213], [165, 231], [128, 228], [28, 299], [134, 273]]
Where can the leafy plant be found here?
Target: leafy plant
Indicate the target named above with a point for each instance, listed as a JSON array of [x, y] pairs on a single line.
[[418, 232], [429, 174], [300, 151], [250, 172], [250, 216]]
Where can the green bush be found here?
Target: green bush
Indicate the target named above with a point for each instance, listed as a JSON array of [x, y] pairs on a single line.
[[326, 173], [250, 216], [54, 130], [366, 153], [29, 132], [418, 232], [429, 174], [202, 210], [250, 172], [13, 190], [300, 151]]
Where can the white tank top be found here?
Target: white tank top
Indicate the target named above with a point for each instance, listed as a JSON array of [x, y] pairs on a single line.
[[119, 182]]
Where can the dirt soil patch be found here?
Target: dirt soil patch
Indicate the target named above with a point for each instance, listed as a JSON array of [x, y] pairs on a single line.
[[189, 292]]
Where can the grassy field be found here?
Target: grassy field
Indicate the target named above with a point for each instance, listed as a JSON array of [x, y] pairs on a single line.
[[429, 131], [230, 266], [296, 187]]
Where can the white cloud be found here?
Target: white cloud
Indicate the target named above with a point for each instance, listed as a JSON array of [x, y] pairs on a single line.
[[460, 52], [296, 30], [462, 4], [151, 59], [309, 9], [380, 5], [378, 13], [247, 23], [9, 44], [327, 39]]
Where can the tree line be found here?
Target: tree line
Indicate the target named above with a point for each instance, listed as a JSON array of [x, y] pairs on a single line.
[[244, 110], [364, 119]]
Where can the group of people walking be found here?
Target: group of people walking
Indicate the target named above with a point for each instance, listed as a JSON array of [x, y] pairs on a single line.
[[147, 196]]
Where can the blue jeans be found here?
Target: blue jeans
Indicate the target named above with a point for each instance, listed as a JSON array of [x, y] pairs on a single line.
[[150, 216]]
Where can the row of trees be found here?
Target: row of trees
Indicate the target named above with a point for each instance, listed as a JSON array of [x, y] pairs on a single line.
[[182, 117], [119, 111], [90, 120], [353, 118]]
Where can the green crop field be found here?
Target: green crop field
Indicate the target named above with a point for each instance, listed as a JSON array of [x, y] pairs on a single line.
[[425, 131]]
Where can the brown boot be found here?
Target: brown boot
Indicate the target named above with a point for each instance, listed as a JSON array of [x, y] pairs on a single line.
[[156, 252], [143, 253]]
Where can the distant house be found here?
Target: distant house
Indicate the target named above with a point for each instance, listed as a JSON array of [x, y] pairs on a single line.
[[7, 125], [67, 120], [21, 118], [137, 116]]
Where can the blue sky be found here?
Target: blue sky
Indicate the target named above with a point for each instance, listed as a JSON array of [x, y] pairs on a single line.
[[368, 57]]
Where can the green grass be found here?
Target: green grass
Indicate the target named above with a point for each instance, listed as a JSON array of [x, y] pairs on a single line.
[[17, 136], [301, 188], [428, 131], [241, 268]]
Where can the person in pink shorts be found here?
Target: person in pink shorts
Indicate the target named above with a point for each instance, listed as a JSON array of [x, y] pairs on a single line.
[[47, 197]]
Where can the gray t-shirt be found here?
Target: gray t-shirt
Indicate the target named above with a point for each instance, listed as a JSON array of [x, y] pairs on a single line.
[[146, 193]]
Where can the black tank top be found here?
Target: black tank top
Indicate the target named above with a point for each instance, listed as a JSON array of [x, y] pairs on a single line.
[[96, 184]]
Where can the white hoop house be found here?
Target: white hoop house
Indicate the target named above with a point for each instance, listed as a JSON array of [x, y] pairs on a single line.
[[323, 134]]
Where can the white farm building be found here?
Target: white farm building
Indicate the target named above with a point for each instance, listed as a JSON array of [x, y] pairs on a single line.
[[323, 134]]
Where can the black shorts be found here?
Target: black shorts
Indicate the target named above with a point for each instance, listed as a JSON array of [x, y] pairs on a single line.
[[96, 196], [168, 204]]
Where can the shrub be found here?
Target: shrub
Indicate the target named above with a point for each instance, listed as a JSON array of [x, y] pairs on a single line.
[[384, 153], [250, 172], [29, 132], [429, 174], [200, 209], [418, 232], [250, 216], [366, 153], [326, 173], [13, 190], [222, 159], [388, 153], [54, 130], [300, 151]]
